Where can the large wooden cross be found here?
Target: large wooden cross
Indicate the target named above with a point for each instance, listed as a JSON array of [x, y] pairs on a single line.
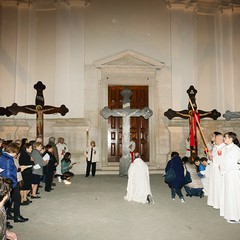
[[193, 114], [126, 112], [39, 108]]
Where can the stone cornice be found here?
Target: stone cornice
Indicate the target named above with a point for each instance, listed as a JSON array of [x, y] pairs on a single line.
[[205, 6], [44, 4]]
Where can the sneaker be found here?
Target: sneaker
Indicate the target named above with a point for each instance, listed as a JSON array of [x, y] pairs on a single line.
[[66, 182], [173, 199], [182, 200], [59, 179]]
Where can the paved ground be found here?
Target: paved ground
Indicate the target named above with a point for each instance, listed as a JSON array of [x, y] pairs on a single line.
[[94, 209]]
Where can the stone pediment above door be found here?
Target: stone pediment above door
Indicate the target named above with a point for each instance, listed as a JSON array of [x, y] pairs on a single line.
[[128, 59]]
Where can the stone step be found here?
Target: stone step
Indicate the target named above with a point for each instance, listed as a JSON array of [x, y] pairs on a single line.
[[114, 170]]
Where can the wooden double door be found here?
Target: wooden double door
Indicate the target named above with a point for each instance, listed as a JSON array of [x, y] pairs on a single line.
[[139, 130]]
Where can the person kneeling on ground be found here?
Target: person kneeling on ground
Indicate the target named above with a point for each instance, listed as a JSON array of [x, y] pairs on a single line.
[[138, 187], [66, 165], [195, 188]]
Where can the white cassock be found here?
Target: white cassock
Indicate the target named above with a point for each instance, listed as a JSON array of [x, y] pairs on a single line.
[[216, 179], [62, 149], [205, 179], [230, 195], [138, 187]]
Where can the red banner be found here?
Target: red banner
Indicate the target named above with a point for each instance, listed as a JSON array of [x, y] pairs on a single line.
[[193, 128]]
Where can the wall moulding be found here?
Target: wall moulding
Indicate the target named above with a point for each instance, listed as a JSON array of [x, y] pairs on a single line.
[[44, 4], [205, 6]]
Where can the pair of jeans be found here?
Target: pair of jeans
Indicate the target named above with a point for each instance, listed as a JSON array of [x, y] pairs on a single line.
[[193, 191], [177, 191]]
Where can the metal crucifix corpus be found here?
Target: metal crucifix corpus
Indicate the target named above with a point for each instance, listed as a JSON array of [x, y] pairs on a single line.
[[126, 112], [194, 115], [39, 108]]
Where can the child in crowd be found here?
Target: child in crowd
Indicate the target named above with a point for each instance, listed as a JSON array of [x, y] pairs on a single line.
[[203, 174]]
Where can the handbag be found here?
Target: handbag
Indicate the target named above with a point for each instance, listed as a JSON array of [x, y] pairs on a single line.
[[187, 177], [170, 175]]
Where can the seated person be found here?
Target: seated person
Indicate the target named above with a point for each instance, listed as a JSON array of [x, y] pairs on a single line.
[[195, 188], [138, 187], [66, 165]]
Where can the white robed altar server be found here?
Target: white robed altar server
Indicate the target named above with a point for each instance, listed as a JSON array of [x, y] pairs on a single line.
[[230, 195], [138, 187], [216, 179]]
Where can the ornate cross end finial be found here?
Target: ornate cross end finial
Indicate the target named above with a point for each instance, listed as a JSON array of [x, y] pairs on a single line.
[[106, 112], [39, 86], [126, 93], [13, 109], [5, 111], [192, 92], [215, 114], [170, 114], [147, 113], [63, 110], [192, 96]]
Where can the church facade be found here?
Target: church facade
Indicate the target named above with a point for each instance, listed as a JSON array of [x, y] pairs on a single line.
[[80, 48]]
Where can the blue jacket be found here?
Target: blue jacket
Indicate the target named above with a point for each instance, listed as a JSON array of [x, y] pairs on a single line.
[[10, 170]]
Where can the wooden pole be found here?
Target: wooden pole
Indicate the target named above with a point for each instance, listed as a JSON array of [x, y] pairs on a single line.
[[199, 126]]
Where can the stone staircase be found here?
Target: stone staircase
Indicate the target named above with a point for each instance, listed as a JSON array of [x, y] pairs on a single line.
[[113, 169]]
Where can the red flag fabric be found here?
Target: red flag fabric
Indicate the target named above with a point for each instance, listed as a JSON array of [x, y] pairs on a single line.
[[194, 116]]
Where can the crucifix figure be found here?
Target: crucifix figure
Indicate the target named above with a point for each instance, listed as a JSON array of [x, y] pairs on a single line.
[[194, 115], [39, 108], [126, 112]]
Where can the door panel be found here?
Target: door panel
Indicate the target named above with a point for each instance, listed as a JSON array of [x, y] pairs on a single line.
[[138, 125]]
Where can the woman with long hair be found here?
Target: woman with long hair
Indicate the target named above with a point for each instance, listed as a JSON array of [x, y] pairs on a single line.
[[66, 165]]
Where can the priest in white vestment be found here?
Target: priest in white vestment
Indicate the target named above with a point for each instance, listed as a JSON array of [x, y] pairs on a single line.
[[216, 179], [138, 187], [230, 196]]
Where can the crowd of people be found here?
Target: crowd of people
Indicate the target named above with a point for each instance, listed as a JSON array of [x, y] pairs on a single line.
[[215, 176], [23, 166]]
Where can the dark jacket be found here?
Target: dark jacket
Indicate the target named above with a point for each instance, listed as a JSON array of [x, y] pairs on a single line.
[[177, 166], [50, 167], [25, 160]]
